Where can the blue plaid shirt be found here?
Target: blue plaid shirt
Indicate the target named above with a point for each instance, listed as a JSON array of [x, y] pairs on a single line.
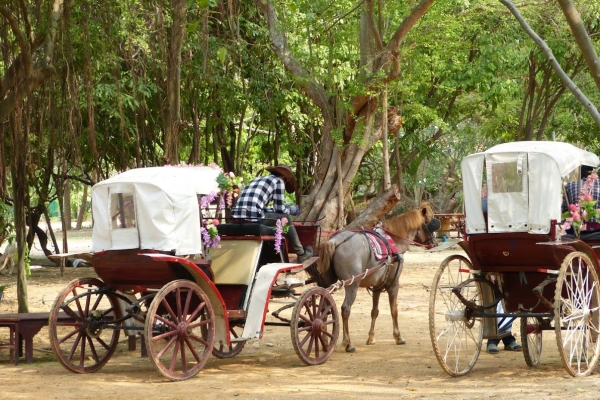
[[572, 190], [256, 196]]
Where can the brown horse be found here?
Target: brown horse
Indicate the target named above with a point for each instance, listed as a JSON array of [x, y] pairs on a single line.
[[348, 254]]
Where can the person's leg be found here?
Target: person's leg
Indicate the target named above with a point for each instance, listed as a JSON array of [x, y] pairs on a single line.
[[291, 235], [492, 346], [510, 343]]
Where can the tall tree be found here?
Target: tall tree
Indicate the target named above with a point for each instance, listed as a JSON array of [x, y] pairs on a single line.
[[360, 126]]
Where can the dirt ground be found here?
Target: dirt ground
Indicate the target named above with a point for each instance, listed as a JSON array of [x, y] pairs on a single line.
[[269, 367]]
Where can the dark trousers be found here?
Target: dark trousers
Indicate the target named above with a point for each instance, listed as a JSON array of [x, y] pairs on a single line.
[[291, 235]]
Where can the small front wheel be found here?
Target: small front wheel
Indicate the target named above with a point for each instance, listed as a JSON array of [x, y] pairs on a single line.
[[315, 326], [223, 351], [531, 334], [456, 335]]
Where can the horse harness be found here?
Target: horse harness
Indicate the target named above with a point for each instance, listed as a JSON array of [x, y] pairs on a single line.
[[381, 238]]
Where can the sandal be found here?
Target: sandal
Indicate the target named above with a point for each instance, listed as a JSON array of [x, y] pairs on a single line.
[[492, 348], [514, 346]]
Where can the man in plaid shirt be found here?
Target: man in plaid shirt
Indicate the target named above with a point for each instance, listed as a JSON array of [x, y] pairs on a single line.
[[572, 190], [253, 204]]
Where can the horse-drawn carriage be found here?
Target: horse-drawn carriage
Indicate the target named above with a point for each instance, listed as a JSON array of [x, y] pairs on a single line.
[[162, 275], [517, 255], [157, 280]]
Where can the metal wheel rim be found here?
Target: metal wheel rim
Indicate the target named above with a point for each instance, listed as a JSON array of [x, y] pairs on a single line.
[[456, 339], [576, 312], [76, 346], [315, 326], [180, 336], [531, 334]]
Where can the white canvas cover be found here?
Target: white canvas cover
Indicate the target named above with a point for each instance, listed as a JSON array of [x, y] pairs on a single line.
[[524, 181], [152, 208]]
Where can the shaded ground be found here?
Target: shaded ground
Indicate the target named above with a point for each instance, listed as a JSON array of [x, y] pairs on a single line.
[[269, 368]]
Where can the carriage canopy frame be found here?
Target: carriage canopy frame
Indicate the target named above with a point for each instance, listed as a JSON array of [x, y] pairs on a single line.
[[152, 208], [524, 183]]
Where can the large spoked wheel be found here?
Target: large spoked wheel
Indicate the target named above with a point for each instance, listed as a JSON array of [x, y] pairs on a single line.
[[315, 326], [531, 334], [455, 334], [180, 330], [84, 345], [222, 351], [576, 314]]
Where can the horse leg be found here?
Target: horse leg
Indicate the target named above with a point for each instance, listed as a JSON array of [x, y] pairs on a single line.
[[393, 298], [374, 315], [349, 298]]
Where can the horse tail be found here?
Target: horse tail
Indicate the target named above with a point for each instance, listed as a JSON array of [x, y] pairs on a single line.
[[324, 274]]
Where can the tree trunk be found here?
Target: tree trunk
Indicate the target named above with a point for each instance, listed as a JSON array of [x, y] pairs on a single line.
[[172, 124], [18, 168], [67, 218], [377, 209], [82, 208]]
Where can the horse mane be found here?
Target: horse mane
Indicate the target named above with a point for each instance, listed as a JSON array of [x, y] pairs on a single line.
[[403, 223]]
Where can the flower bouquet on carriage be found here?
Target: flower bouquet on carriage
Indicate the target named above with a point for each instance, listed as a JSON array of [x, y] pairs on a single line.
[[583, 215], [223, 201]]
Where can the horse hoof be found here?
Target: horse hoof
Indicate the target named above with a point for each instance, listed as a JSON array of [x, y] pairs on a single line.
[[350, 349], [370, 342], [401, 341]]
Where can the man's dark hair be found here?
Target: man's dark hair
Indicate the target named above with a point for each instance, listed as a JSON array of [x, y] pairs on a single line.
[[585, 171]]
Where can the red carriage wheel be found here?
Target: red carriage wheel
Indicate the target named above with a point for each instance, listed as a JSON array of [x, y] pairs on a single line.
[[222, 351], [315, 326], [84, 345], [180, 330], [531, 335]]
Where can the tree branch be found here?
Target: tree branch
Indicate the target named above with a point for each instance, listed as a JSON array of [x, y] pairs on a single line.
[[582, 38], [555, 65]]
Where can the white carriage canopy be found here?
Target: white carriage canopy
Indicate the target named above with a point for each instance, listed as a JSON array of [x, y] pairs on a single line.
[[152, 208], [524, 185]]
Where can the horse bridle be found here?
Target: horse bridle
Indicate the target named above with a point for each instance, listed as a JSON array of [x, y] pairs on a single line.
[[429, 244]]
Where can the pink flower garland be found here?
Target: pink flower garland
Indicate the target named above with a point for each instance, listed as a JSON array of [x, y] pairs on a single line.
[[281, 226]]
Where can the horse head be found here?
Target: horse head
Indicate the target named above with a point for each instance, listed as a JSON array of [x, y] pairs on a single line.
[[426, 232], [416, 226]]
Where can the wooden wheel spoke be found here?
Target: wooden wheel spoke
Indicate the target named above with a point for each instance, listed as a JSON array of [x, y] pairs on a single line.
[[191, 347], [198, 309], [75, 345], [166, 321], [201, 322], [69, 335], [309, 312], [167, 346], [166, 304], [77, 302], [82, 350], [174, 356], [93, 348], [324, 313], [163, 336], [183, 354], [186, 307], [98, 300]]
